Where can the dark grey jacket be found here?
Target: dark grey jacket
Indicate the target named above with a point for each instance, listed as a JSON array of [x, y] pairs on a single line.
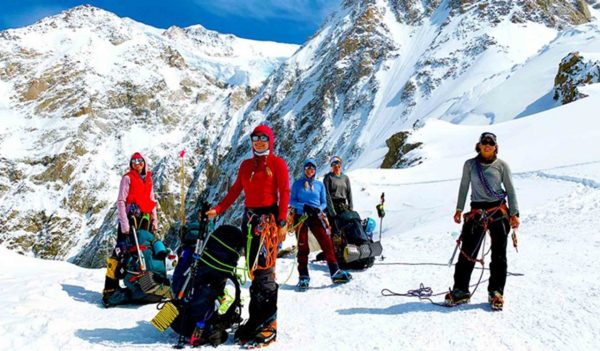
[[337, 188]]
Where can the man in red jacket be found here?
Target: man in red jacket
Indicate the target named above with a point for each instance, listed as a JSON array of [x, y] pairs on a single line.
[[136, 199], [265, 182]]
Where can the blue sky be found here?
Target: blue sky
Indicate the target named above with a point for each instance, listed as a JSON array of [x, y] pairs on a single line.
[[288, 21]]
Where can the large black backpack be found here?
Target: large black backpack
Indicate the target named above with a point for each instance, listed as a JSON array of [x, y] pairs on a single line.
[[351, 232], [216, 267]]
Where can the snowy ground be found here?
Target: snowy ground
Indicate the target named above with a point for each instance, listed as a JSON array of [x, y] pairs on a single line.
[[553, 305]]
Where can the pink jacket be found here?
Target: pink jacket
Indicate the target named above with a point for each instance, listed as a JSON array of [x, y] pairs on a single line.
[[122, 203]]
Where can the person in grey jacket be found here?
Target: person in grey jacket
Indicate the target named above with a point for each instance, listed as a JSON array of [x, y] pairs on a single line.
[[338, 192], [486, 175]]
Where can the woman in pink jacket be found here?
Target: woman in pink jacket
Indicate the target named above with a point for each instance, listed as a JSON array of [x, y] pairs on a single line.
[[135, 202]]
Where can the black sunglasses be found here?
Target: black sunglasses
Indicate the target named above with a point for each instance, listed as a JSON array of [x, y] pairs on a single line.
[[335, 163], [489, 142], [137, 161], [261, 137], [310, 167]]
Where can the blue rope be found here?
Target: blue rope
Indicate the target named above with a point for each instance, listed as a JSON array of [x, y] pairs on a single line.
[[488, 189]]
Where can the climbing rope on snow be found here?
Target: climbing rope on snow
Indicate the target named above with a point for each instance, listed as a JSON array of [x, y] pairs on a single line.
[[426, 293]]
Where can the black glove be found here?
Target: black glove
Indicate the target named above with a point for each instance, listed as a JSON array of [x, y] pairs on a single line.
[[122, 246], [311, 211]]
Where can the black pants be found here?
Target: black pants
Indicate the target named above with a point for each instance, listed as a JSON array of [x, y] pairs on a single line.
[[263, 290], [472, 238]]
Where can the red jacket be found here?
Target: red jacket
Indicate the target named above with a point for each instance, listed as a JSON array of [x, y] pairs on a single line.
[[140, 191], [261, 190]]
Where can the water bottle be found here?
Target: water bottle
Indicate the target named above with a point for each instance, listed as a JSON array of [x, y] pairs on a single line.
[[196, 338]]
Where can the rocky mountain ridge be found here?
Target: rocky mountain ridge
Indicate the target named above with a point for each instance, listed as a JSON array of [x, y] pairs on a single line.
[[87, 88]]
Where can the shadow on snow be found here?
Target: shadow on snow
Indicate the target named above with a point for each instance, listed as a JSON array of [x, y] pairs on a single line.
[[413, 307]]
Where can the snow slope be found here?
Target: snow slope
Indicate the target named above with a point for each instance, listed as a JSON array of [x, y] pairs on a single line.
[[552, 301]]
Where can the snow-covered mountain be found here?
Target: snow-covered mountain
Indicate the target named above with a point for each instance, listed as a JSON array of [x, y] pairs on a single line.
[[377, 69], [82, 90]]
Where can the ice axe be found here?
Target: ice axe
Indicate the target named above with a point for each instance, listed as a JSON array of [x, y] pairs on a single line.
[[514, 240], [381, 214], [455, 251]]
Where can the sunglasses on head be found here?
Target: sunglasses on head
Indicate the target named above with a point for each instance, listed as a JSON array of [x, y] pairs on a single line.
[[137, 161], [489, 142], [261, 137], [310, 167]]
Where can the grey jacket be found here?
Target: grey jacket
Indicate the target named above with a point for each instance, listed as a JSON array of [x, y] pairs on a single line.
[[337, 188], [496, 174]]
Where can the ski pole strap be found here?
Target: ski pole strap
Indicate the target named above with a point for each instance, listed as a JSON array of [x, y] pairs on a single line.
[[379, 207]]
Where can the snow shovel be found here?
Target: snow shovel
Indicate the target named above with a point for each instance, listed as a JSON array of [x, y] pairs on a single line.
[[145, 278], [165, 317]]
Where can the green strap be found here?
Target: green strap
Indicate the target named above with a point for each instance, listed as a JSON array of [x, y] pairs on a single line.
[[219, 262], [215, 267], [225, 245], [248, 244]]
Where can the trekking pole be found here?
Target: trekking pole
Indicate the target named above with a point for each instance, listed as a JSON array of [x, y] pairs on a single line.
[[381, 214], [200, 245], [182, 176]]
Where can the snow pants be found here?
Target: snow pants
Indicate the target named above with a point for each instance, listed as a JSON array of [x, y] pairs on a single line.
[[263, 290], [317, 227], [472, 237]]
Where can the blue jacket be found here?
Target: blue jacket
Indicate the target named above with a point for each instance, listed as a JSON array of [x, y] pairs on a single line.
[[313, 196]]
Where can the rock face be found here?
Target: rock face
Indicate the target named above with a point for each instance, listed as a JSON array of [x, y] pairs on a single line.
[[398, 148], [573, 72], [83, 90]]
